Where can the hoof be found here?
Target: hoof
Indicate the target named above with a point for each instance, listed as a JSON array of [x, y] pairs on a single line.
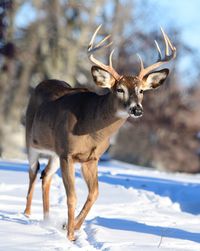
[[46, 217], [27, 214], [71, 237]]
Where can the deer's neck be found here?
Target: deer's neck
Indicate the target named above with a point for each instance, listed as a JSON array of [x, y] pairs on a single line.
[[107, 109], [102, 117]]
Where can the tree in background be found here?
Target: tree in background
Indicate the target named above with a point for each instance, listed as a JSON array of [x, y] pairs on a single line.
[[7, 58]]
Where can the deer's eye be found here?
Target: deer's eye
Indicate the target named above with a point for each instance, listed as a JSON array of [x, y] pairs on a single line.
[[141, 91], [120, 90]]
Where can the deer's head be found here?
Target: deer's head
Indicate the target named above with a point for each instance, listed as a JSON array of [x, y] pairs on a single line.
[[129, 90]]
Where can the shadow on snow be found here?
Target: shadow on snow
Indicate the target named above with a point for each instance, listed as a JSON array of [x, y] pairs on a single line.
[[127, 225]]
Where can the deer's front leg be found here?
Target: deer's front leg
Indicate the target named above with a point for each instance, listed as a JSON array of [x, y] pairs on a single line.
[[68, 175], [90, 174]]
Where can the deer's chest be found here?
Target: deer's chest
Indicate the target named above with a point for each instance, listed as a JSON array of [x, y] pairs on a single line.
[[86, 148]]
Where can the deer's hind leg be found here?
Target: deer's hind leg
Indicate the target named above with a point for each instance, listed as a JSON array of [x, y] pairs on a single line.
[[46, 177], [34, 167]]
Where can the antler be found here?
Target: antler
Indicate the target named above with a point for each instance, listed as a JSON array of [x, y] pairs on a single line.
[[101, 44], [160, 61]]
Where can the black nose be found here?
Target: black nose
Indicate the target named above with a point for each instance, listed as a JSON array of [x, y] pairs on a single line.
[[136, 110]]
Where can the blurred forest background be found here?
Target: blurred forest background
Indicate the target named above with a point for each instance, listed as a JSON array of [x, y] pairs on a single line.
[[52, 41]]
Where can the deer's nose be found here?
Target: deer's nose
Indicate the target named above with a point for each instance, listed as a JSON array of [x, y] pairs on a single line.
[[136, 110]]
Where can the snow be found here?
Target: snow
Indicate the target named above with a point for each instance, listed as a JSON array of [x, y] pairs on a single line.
[[137, 209]]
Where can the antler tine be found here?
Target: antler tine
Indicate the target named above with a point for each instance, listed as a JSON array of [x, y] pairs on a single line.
[[169, 44], [103, 40], [110, 57], [92, 48], [141, 62], [168, 56], [159, 50], [166, 42], [101, 44], [173, 49]]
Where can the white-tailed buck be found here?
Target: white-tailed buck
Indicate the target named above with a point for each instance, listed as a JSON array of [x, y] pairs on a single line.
[[74, 125]]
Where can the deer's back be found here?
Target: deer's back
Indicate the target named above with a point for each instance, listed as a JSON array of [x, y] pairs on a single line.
[[46, 91]]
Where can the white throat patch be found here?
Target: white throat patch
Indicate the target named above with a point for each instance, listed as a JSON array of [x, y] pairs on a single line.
[[122, 114]]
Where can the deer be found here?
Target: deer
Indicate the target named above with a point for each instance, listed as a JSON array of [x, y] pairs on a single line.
[[74, 125]]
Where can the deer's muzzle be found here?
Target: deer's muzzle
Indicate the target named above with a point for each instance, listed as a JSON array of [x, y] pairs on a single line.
[[136, 111]]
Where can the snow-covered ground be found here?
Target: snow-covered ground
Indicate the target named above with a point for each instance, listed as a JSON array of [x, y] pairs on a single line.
[[138, 209]]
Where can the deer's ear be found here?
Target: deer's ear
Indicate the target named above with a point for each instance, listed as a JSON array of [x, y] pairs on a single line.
[[102, 78], [154, 79]]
